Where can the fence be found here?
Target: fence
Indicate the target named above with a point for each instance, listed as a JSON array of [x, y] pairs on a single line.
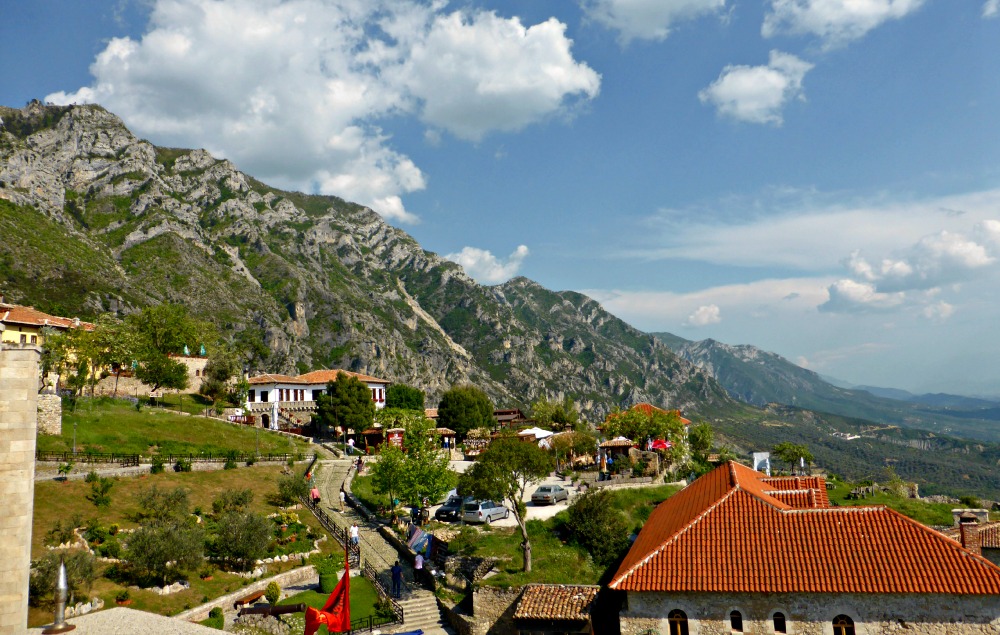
[[136, 459]]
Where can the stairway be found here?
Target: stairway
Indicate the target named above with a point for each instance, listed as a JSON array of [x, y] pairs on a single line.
[[420, 608]]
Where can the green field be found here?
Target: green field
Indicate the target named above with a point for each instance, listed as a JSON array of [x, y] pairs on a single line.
[[113, 425]]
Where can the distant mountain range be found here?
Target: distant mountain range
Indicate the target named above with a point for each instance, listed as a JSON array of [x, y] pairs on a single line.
[[758, 377], [94, 220]]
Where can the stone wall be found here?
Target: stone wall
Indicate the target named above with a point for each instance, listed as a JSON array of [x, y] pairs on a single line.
[[493, 609], [49, 414], [18, 415], [812, 614], [302, 575]]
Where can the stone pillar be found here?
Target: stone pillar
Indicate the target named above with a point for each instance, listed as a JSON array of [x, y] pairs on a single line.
[[18, 412]]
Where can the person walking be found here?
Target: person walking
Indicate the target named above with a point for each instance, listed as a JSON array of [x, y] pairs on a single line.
[[314, 494], [397, 580], [418, 567], [355, 538], [343, 499]]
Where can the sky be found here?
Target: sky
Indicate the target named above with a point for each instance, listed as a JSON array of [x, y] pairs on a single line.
[[819, 178]]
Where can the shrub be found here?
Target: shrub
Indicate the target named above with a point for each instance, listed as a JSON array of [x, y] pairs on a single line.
[[152, 547], [91, 477], [62, 532], [100, 491], [80, 573], [272, 593], [230, 464], [232, 501], [598, 527], [110, 549], [215, 612], [123, 596], [156, 467], [241, 539], [113, 529], [291, 489], [182, 465], [65, 468]]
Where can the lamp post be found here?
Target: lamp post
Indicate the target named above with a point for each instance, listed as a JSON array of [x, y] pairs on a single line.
[[60, 625], [74, 437]]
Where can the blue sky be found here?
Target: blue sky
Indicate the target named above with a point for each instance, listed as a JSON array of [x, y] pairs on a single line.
[[820, 178]]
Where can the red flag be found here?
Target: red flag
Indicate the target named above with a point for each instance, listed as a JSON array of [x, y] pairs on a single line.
[[336, 613]]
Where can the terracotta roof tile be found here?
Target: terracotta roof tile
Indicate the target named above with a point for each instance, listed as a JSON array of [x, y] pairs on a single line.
[[30, 316], [989, 535], [556, 602], [314, 377], [735, 530]]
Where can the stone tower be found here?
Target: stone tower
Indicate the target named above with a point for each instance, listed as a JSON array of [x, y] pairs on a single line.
[[18, 422]]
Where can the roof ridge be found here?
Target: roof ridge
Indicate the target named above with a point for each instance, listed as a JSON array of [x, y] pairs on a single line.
[[954, 544], [676, 535]]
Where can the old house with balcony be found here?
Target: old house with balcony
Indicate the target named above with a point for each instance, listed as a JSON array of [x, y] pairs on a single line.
[[285, 402]]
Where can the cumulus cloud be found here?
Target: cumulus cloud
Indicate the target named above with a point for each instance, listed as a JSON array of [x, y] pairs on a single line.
[[704, 315], [991, 8], [758, 94], [293, 91], [836, 22], [915, 275], [487, 268], [647, 19]]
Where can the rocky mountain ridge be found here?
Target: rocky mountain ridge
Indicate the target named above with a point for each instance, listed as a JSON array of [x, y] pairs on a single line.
[[99, 221]]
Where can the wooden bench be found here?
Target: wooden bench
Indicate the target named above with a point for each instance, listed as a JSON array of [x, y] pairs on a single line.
[[250, 599]]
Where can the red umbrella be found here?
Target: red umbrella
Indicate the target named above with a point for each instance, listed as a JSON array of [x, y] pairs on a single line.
[[660, 444]]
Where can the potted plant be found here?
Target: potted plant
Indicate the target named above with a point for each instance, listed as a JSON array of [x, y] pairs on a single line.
[[327, 568], [123, 598]]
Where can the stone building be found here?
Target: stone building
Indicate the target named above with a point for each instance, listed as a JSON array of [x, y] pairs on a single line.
[[281, 401], [740, 552]]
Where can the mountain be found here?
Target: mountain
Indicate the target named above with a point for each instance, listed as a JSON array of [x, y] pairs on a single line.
[[758, 377], [94, 219]]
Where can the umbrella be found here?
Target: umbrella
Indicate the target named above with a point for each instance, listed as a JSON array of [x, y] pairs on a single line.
[[660, 444]]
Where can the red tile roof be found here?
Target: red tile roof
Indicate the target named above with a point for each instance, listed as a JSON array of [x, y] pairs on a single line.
[[989, 535], [556, 602], [736, 530], [314, 377], [30, 316]]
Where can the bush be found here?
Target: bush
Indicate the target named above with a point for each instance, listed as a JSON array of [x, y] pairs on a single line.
[[232, 501], [110, 549], [62, 532], [80, 573], [157, 465], [123, 596], [291, 489], [100, 491], [598, 527], [91, 477], [272, 593], [230, 464], [215, 612], [182, 465], [241, 539]]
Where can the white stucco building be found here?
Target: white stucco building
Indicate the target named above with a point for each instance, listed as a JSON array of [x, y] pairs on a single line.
[[281, 401]]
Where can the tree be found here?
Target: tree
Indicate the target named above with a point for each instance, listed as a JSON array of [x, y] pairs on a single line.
[[556, 415], [463, 408], [569, 444], [168, 541], [700, 437], [80, 573], [792, 453], [503, 473], [596, 525], [291, 489], [162, 331], [404, 397], [347, 403], [241, 539], [417, 470], [640, 427], [222, 365]]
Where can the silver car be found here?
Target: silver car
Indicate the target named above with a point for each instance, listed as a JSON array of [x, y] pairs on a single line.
[[484, 512], [549, 494]]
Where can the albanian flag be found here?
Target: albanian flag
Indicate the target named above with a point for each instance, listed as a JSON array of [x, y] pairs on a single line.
[[336, 613]]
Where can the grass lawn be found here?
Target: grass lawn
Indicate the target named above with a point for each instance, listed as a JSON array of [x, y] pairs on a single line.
[[107, 425], [363, 598], [920, 511], [55, 501]]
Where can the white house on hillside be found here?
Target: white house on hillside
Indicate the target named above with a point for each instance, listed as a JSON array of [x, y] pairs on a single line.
[[282, 401]]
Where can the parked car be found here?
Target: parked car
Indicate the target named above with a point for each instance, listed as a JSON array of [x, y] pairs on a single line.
[[452, 508], [549, 494], [484, 512]]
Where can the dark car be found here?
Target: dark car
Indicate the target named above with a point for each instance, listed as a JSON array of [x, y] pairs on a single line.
[[549, 494], [452, 508]]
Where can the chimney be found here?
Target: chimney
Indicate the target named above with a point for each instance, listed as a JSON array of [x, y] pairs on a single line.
[[969, 531]]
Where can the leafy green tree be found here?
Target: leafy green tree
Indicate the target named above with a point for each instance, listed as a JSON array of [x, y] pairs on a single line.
[[161, 331], [464, 408], [100, 491], [417, 470], [570, 444], [347, 403], [639, 426], [404, 397], [792, 453], [222, 365], [291, 489], [237, 500], [81, 571], [241, 538], [556, 415], [701, 437], [169, 543], [162, 505], [596, 525], [503, 472]]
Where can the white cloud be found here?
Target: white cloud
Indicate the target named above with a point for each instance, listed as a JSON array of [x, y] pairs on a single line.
[[758, 94], [487, 268], [938, 312], [292, 90], [991, 8], [647, 19], [704, 315], [851, 296], [834, 21]]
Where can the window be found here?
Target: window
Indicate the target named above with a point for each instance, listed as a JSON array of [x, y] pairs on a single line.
[[263, 396], [252, 396], [34, 339], [316, 394], [24, 338], [736, 621], [779, 622], [843, 625], [678, 620], [197, 373]]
